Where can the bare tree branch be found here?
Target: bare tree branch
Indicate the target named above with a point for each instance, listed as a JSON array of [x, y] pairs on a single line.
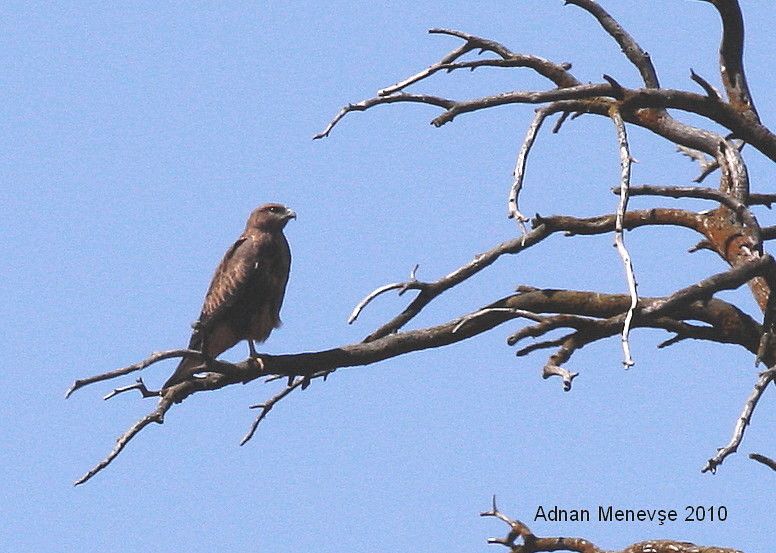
[[739, 208], [711, 92], [380, 100], [157, 416], [557, 73], [731, 57], [767, 461], [739, 328], [638, 57], [411, 284], [543, 228], [267, 406], [147, 362], [634, 100], [619, 239], [519, 172], [743, 421], [731, 230], [139, 385]]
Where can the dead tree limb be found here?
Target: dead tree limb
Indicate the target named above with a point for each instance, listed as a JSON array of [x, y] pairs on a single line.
[[738, 241], [731, 229], [729, 324]]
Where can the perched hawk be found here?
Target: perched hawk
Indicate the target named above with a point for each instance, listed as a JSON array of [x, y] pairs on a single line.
[[245, 295]]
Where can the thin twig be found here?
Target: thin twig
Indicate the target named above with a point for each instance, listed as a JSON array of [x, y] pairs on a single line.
[[157, 416], [401, 286], [558, 73], [380, 100], [148, 361], [267, 406], [767, 461], [519, 172], [466, 47], [711, 92], [515, 312], [707, 164], [139, 385], [744, 419]]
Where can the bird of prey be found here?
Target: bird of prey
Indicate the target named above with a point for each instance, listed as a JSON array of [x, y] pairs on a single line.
[[246, 293]]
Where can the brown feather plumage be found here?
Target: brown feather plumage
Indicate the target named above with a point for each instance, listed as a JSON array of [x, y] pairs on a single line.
[[246, 293]]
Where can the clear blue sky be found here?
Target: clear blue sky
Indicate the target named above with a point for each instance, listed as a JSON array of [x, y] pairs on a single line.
[[135, 140]]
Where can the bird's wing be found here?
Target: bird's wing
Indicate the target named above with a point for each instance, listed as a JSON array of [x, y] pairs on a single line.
[[231, 279]]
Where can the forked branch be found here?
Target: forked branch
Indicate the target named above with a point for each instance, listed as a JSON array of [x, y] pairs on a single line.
[[731, 230], [692, 303]]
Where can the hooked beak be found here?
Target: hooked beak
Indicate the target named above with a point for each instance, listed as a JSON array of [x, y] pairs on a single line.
[[290, 214]]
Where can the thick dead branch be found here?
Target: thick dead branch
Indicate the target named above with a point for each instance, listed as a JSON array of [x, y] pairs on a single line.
[[734, 327], [762, 199], [727, 280], [740, 209], [731, 57], [598, 324], [307, 365], [638, 57]]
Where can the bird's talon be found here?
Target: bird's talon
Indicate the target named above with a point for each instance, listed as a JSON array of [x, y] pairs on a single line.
[[258, 361]]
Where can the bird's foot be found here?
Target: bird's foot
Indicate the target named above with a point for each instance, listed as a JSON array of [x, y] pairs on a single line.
[[254, 356], [257, 361], [252, 349]]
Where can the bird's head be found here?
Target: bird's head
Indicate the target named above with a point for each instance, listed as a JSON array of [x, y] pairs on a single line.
[[270, 217]]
